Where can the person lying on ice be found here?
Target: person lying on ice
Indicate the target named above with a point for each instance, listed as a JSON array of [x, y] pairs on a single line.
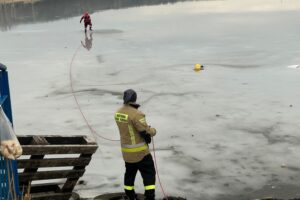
[[135, 136], [87, 20]]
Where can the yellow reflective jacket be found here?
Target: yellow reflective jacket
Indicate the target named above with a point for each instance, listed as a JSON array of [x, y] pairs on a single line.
[[130, 122]]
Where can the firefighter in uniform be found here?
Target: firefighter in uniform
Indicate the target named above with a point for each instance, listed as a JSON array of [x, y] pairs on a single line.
[[135, 136]]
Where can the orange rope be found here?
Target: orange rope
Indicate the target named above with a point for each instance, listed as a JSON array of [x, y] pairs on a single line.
[[94, 132], [157, 173]]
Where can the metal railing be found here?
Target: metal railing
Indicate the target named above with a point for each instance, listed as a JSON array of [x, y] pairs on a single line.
[[9, 180]]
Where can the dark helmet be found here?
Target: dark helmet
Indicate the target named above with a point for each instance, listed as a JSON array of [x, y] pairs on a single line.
[[129, 96]]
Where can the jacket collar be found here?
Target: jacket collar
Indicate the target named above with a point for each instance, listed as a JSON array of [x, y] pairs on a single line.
[[133, 104]]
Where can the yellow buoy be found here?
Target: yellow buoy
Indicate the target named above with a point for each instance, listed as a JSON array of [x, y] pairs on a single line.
[[198, 67]]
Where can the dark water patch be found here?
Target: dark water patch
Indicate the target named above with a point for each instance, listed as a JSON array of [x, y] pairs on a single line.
[[195, 159], [110, 84], [226, 184], [295, 169], [100, 92], [268, 133], [94, 91], [197, 172], [49, 10], [235, 161], [114, 73], [180, 94]]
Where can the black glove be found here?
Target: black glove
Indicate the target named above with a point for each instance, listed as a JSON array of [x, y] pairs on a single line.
[[146, 136]]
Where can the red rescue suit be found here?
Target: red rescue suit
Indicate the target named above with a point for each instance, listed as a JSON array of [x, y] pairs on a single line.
[[87, 20]]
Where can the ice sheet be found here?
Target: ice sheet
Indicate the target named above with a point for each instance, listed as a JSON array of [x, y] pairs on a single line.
[[230, 131]]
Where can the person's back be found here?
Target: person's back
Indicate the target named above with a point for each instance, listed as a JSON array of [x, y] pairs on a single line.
[[135, 135], [128, 135]]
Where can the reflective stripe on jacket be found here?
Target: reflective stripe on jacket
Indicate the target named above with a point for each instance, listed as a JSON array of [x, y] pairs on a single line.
[[130, 122]]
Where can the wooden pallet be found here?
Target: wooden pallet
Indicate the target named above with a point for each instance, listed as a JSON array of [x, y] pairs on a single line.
[[40, 167]]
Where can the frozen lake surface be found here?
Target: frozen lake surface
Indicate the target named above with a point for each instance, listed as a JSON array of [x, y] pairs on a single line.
[[229, 132]]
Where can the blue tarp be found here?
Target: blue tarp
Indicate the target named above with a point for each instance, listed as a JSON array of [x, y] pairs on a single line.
[[9, 180]]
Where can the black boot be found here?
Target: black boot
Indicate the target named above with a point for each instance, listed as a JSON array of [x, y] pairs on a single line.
[[149, 195], [149, 198], [131, 194]]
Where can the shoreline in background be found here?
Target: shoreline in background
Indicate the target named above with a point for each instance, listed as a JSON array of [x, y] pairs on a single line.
[[17, 1]]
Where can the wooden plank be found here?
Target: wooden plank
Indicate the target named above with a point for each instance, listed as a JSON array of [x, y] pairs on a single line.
[[51, 196], [44, 175], [24, 140], [58, 149], [65, 140], [39, 140], [45, 187], [55, 140], [32, 168], [71, 182], [53, 162], [89, 140]]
